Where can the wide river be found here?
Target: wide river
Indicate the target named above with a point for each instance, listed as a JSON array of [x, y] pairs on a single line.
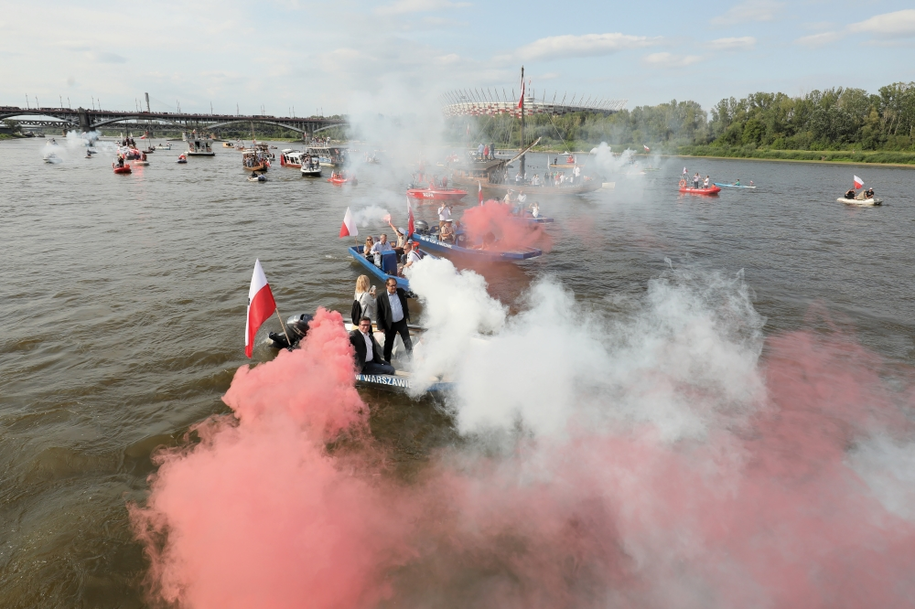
[[123, 312]]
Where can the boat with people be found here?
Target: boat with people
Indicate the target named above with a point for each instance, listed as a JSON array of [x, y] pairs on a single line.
[[329, 156], [735, 185], [228, 145], [291, 158], [311, 166], [402, 380], [569, 163], [198, 145], [341, 178], [429, 239], [119, 168], [685, 188], [255, 160], [436, 194], [182, 160], [863, 198], [388, 269], [164, 147]]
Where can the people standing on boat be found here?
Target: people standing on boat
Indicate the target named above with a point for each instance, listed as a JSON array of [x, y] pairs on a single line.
[[706, 182], [535, 209], [446, 233], [696, 181], [576, 174], [522, 198], [492, 151], [393, 316], [368, 351], [444, 214], [401, 238], [480, 151], [485, 152], [365, 296], [380, 247]]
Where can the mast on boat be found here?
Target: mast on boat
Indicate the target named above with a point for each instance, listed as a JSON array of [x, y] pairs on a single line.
[[521, 105]]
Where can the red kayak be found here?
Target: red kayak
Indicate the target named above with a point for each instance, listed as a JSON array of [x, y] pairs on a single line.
[[340, 181], [711, 190], [124, 169], [437, 194]]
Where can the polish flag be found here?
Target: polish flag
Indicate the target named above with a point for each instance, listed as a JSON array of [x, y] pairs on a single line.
[[480, 192], [521, 99], [647, 149], [349, 225], [859, 183], [410, 224], [261, 305]]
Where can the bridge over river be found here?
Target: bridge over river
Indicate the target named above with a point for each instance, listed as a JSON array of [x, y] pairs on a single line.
[[90, 120]]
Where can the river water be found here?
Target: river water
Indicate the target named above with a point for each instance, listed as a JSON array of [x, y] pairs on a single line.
[[124, 302]]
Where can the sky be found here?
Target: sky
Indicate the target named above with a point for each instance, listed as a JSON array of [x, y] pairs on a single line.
[[284, 57]]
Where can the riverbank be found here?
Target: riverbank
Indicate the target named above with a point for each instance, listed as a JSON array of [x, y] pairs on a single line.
[[851, 157]]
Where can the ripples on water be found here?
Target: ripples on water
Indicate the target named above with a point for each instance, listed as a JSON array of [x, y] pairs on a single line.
[[124, 302]]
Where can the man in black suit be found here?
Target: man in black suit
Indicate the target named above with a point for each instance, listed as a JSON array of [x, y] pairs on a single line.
[[392, 317], [368, 351]]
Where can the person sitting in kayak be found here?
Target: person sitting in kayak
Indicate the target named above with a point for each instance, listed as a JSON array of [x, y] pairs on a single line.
[[737, 183]]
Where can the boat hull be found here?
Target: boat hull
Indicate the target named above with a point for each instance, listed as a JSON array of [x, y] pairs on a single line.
[[342, 181], [189, 153], [436, 194], [124, 169], [701, 191], [873, 202], [311, 173], [433, 244]]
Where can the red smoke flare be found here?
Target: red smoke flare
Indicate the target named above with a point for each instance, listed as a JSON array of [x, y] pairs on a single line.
[[494, 220]]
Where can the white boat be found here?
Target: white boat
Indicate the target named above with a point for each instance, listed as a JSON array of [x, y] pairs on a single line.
[[199, 145], [259, 178], [311, 167], [164, 147], [873, 201], [291, 158]]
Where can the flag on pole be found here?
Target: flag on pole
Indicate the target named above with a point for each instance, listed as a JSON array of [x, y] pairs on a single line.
[[647, 149], [859, 183], [410, 225], [480, 192], [521, 99], [349, 225], [261, 305]]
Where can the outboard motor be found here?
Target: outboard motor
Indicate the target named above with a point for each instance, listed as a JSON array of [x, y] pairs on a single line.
[[421, 227], [296, 327]]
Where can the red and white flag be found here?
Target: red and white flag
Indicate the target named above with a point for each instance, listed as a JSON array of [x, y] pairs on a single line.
[[261, 305], [349, 225], [859, 183], [480, 192], [521, 99], [647, 149], [410, 224]]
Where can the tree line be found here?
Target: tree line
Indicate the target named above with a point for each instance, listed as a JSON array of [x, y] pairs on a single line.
[[832, 119]]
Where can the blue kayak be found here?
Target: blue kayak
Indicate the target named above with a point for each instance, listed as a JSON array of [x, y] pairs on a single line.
[[723, 185]]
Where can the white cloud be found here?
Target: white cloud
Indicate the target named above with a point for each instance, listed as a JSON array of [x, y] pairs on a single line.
[[818, 40], [732, 44], [668, 60], [900, 24], [403, 7], [587, 45], [749, 12]]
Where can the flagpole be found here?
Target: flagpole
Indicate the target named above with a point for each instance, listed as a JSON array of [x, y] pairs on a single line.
[[283, 326]]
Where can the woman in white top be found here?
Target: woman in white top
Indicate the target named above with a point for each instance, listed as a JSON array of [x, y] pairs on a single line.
[[365, 295]]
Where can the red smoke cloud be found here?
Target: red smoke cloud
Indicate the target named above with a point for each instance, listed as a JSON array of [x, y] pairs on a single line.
[[766, 512], [494, 219]]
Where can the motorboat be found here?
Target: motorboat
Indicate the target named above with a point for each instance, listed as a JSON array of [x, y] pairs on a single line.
[[198, 145], [125, 168], [228, 145], [429, 239], [182, 160], [402, 379], [711, 190], [291, 158], [388, 268], [342, 178], [311, 166], [436, 194], [871, 201], [164, 147]]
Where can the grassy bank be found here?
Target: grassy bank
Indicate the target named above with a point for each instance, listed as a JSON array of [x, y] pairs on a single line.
[[877, 157]]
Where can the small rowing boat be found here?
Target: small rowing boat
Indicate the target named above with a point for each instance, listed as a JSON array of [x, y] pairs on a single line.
[[725, 185], [872, 201], [486, 251], [388, 268], [339, 179], [121, 168]]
